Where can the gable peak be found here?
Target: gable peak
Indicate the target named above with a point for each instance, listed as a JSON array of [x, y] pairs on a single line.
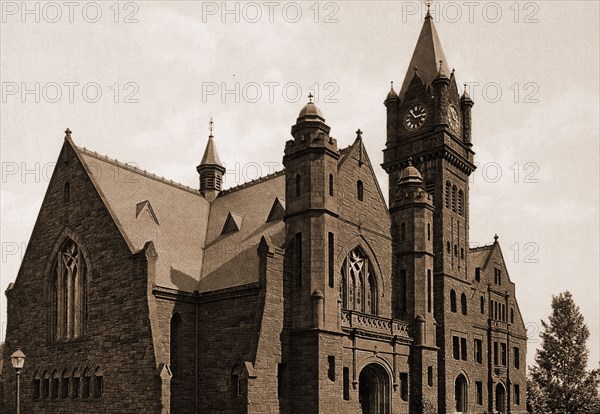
[[277, 210], [233, 223]]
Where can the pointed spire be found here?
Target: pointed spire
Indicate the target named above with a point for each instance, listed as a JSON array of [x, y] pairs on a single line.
[[465, 96], [210, 156], [428, 15], [441, 73], [392, 93], [426, 56]]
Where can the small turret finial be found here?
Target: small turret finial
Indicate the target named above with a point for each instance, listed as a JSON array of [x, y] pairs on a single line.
[[495, 238], [68, 133], [359, 133], [441, 64], [211, 125], [310, 96], [409, 161]]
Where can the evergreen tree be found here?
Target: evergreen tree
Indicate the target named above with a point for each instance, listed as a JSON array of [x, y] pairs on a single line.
[[560, 383]]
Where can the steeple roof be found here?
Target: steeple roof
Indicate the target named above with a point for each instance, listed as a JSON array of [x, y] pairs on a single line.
[[426, 57], [210, 156]]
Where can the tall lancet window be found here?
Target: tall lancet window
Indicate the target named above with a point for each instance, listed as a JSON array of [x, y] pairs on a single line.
[[358, 286], [68, 293]]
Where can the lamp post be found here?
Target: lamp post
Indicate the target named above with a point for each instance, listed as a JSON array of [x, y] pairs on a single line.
[[17, 360]]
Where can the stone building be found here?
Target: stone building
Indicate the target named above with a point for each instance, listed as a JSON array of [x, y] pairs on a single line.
[[299, 292]]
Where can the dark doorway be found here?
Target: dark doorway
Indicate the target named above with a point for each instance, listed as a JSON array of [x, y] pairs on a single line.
[[460, 394], [500, 398], [374, 390]]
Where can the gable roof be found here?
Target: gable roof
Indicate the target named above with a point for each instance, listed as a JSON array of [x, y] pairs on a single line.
[[359, 148], [231, 259], [178, 210]]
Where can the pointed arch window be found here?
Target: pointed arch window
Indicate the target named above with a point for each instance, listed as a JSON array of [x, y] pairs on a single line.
[[358, 286], [68, 293], [454, 198], [447, 194], [460, 202]]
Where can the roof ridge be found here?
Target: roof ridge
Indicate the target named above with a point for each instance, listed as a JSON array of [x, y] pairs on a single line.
[[137, 170], [484, 247], [252, 182]]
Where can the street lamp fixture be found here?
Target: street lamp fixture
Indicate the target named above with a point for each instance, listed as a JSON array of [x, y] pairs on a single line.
[[17, 359]]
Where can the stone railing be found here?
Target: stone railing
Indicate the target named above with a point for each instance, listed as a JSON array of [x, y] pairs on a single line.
[[495, 324], [375, 324]]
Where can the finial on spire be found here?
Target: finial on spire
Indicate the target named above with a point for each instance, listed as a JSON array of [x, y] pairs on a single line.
[[495, 238], [310, 96], [211, 125], [67, 133], [359, 133], [428, 3]]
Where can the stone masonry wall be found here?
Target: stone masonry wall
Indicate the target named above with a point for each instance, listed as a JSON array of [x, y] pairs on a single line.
[[117, 333]]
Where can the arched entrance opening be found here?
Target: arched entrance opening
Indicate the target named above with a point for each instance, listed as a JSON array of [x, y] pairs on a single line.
[[374, 390], [460, 394], [500, 398]]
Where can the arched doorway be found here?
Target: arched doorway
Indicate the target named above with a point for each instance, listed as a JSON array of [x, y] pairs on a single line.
[[374, 390], [500, 398], [460, 394]]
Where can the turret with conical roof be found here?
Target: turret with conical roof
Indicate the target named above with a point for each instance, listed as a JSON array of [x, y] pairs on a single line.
[[210, 169]]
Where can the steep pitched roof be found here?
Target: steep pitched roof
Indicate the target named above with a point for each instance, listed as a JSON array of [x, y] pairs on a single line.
[[426, 57], [181, 214], [211, 157], [231, 259], [478, 256]]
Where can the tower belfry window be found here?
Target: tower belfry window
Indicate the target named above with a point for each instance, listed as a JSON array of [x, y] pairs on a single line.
[[454, 198], [460, 202], [447, 194]]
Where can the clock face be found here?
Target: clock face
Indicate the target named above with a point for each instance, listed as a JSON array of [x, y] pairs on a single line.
[[453, 118], [415, 117]]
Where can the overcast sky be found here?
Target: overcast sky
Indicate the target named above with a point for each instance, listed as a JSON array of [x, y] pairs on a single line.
[[139, 81]]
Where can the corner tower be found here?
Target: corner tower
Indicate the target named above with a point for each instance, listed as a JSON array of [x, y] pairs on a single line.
[[310, 160], [210, 170], [429, 122]]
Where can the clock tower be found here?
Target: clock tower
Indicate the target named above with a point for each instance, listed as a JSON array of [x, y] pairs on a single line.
[[429, 126]]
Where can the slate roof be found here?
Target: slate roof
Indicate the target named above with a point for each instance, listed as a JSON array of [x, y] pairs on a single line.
[[184, 227], [181, 211]]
